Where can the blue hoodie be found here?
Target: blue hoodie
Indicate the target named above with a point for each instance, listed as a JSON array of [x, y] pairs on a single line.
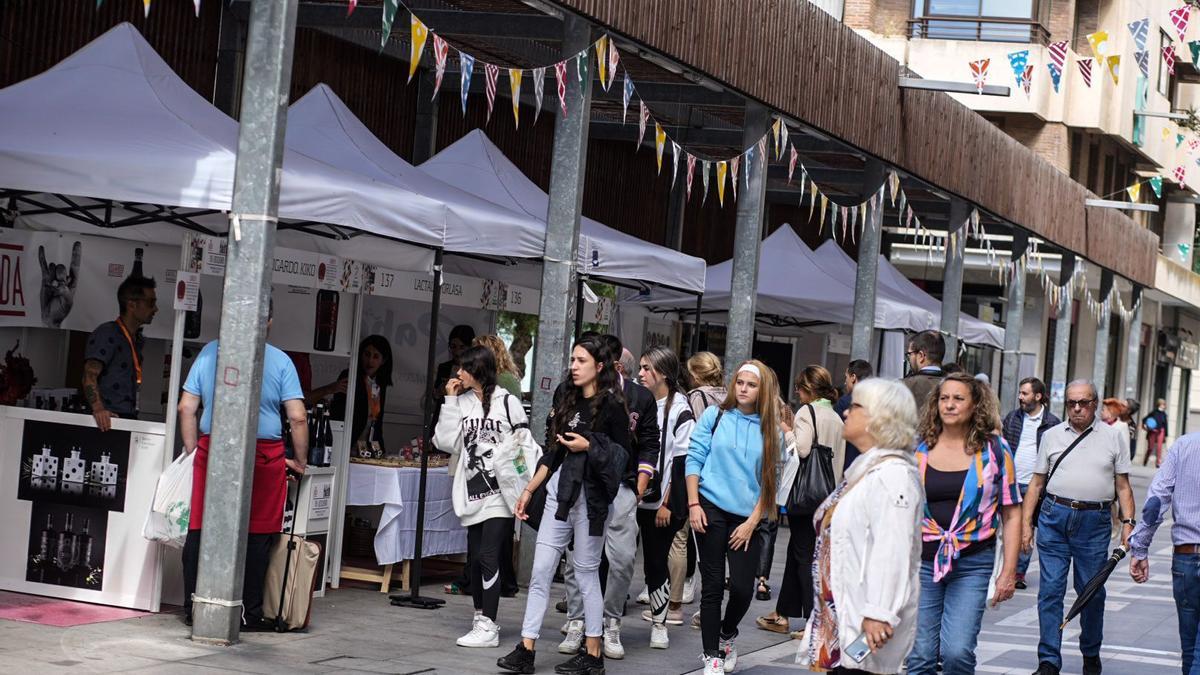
[[729, 462]]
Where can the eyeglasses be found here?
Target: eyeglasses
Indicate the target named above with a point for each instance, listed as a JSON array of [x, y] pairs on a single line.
[[912, 353], [1081, 403]]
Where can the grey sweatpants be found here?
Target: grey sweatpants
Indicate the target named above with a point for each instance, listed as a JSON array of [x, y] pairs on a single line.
[[553, 537], [621, 549]]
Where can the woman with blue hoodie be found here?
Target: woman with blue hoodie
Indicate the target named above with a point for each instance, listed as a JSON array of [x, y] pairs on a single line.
[[732, 471]]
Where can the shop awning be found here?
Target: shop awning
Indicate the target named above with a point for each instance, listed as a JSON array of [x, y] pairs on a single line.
[[893, 284], [793, 289], [474, 163], [113, 123]]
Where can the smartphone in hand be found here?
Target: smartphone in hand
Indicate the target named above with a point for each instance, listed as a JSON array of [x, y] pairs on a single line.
[[859, 649]]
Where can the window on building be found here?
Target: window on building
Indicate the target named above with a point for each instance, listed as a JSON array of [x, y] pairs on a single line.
[[1164, 75], [981, 20]]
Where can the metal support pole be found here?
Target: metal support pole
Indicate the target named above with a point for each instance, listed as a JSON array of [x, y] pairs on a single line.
[[425, 133], [1062, 337], [231, 54], [1014, 322], [675, 213], [1134, 347], [866, 278], [747, 242], [217, 609], [952, 276], [579, 305], [414, 598], [1100, 364], [696, 329], [567, 170]]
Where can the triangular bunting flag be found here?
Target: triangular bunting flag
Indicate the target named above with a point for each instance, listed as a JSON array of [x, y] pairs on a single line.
[[352, 5], [441, 49], [197, 5], [705, 169], [613, 59], [1085, 70], [893, 185], [1134, 191], [979, 71], [833, 219], [792, 159], [390, 7], [539, 87], [812, 195], [581, 70], [1140, 30], [1179, 19], [733, 171], [491, 73], [514, 87], [1168, 54], [1143, 62], [762, 155], [1193, 144], [749, 155], [1194, 47], [466, 64], [1018, 61], [146, 7], [1114, 67], [691, 170], [602, 60], [1055, 75], [824, 205], [1156, 185], [1058, 54], [643, 118], [560, 76], [420, 33], [1027, 80], [775, 134], [660, 138], [722, 169], [674, 163], [783, 139], [625, 98], [1099, 43], [1181, 175]]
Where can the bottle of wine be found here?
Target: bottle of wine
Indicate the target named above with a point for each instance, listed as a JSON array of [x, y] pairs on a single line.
[[45, 555], [83, 555], [137, 263], [192, 319], [66, 541], [325, 331], [327, 442]]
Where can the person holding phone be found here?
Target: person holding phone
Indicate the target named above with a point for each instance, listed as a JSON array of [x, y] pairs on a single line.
[[732, 469], [588, 442], [868, 548], [971, 497]]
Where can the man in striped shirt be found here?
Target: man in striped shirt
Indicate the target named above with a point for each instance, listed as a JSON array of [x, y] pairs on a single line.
[[1175, 488]]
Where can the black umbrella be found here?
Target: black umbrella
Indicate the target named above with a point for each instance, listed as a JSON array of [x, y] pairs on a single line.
[[1094, 584]]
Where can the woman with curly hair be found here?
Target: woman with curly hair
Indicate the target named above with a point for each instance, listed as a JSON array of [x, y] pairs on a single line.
[[970, 489], [507, 375]]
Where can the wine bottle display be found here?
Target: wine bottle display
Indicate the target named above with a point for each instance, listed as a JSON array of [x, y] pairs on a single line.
[[137, 263], [325, 331], [192, 319]]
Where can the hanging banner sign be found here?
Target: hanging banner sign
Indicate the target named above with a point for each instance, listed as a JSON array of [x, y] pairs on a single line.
[[187, 291]]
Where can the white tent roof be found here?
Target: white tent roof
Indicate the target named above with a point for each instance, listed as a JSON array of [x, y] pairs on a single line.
[[475, 164], [321, 126], [791, 284], [893, 284], [114, 122]]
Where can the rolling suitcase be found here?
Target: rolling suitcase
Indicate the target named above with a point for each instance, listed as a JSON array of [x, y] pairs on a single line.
[[291, 580]]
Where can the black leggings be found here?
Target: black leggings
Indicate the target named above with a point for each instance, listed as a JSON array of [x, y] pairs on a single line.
[[508, 574], [258, 555], [691, 554], [656, 548], [485, 546], [796, 592], [714, 553]]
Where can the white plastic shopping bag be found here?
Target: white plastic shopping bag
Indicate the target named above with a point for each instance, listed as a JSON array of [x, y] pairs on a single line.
[[167, 522]]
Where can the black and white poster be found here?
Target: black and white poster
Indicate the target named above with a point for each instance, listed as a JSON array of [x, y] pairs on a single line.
[[481, 438], [66, 546], [74, 465]]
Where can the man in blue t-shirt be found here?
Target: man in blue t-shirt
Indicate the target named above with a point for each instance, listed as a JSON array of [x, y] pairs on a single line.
[[280, 387]]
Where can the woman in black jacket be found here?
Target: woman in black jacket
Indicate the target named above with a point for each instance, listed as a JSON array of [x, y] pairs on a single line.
[[587, 445], [370, 393]]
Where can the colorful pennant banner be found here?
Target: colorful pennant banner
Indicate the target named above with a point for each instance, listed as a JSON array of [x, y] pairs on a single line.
[[979, 71], [1140, 30], [1179, 19], [1168, 54], [419, 34], [1085, 70]]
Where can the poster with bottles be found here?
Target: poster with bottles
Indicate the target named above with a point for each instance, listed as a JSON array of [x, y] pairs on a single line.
[[74, 466]]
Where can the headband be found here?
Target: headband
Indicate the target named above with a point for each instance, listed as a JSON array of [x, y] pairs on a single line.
[[750, 368]]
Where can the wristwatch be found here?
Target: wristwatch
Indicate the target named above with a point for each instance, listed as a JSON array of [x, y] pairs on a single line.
[[1132, 522]]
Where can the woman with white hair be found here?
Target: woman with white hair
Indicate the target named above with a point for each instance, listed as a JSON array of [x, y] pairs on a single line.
[[868, 552]]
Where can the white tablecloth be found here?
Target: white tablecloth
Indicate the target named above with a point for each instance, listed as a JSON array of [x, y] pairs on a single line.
[[397, 490]]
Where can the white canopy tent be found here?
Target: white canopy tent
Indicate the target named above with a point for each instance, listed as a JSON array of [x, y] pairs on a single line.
[[794, 290], [474, 163], [893, 284]]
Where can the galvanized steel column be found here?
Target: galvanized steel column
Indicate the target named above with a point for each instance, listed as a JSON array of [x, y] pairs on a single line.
[[1133, 348], [1062, 337], [867, 277], [747, 238], [425, 133], [952, 276], [556, 311], [217, 609], [1100, 365], [1014, 321]]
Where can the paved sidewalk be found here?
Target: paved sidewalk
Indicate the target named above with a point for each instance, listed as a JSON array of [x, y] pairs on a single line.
[[357, 631]]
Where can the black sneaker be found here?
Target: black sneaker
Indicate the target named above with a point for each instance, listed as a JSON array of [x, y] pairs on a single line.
[[582, 663], [519, 660], [1021, 585], [561, 606], [1046, 668], [258, 625], [1091, 665]]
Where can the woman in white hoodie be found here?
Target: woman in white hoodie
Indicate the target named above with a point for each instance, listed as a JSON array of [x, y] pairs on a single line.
[[868, 557], [663, 508], [482, 425]]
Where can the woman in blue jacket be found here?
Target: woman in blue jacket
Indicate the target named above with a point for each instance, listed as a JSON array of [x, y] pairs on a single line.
[[732, 472]]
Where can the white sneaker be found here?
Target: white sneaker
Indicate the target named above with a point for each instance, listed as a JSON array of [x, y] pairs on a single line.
[[643, 598], [689, 591], [713, 666], [570, 644], [612, 639], [696, 621], [485, 633], [658, 636], [730, 651]]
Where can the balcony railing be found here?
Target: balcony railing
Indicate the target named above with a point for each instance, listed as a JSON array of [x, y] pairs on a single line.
[[978, 29]]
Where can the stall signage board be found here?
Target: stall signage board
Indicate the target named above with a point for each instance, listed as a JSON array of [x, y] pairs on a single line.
[[187, 291]]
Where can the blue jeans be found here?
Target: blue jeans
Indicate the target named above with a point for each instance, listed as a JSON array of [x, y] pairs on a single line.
[[1185, 580], [1024, 558], [949, 615], [1069, 538]]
